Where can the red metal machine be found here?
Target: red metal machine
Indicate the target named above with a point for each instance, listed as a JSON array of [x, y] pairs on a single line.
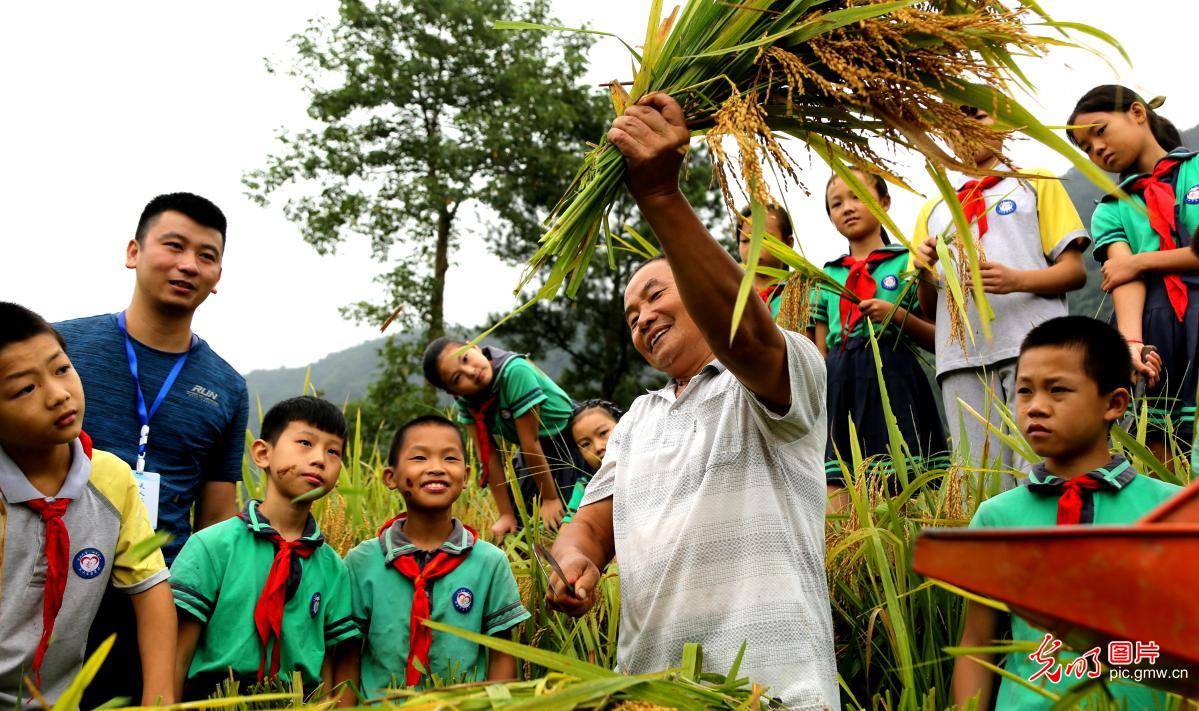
[[1089, 585]]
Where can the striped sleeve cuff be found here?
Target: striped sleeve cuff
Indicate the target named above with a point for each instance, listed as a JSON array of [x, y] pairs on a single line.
[[1102, 242], [341, 630], [144, 584], [192, 602], [527, 402], [505, 618], [1079, 237]]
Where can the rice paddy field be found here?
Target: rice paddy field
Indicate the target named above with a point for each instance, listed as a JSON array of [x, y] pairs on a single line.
[[896, 632]]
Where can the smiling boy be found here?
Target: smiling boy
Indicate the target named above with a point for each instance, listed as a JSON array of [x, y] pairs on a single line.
[[425, 564], [1072, 383], [260, 595], [72, 522]]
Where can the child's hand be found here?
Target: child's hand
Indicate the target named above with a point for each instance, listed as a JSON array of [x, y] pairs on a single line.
[[1000, 278], [576, 595], [1146, 366], [552, 513], [503, 526], [928, 252], [875, 309], [653, 137], [1118, 270]]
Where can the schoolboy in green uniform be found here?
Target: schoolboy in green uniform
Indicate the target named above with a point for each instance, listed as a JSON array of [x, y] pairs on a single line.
[[72, 517], [504, 394], [425, 564], [261, 595], [1072, 383]]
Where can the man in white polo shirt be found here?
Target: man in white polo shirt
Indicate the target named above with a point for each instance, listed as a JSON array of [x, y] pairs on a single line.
[[711, 494]]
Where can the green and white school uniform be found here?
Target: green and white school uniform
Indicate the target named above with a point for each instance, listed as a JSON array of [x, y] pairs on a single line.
[[1121, 496], [218, 579], [478, 594]]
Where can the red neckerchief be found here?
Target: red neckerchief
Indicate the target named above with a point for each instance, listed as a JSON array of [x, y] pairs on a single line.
[[973, 203], [1159, 198], [861, 284], [1069, 505], [420, 637], [483, 437], [57, 549], [770, 292], [284, 574]]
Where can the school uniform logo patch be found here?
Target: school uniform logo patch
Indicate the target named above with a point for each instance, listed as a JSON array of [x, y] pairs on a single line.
[[890, 282], [314, 605], [1193, 196], [1006, 207], [464, 599], [88, 563]]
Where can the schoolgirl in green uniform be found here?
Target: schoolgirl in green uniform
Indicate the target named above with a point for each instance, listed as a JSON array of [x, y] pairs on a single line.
[[1144, 246], [504, 395], [874, 271], [778, 223], [590, 427]]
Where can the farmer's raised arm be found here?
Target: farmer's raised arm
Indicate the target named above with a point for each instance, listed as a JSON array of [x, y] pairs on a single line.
[[653, 137]]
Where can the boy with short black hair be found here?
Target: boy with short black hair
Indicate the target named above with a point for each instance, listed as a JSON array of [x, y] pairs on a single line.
[[74, 518], [425, 564], [262, 596], [1072, 383]]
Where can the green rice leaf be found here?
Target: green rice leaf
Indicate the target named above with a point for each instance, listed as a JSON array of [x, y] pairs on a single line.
[[142, 549], [521, 25], [549, 660], [757, 230]]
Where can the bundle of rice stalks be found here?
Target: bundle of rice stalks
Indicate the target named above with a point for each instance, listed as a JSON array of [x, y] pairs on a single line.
[[832, 74]]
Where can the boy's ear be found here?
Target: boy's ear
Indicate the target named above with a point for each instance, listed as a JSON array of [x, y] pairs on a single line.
[[389, 478], [1117, 404], [260, 453]]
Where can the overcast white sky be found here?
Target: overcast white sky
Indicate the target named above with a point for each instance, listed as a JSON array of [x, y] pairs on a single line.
[[108, 104]]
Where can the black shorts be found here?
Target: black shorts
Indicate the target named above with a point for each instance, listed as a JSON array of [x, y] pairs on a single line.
[[853, 391], [1172, 400]]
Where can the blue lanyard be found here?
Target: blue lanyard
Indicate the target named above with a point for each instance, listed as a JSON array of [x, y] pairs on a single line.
[[144, 414]]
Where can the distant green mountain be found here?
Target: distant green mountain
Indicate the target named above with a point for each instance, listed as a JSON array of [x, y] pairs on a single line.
[[344, 375]]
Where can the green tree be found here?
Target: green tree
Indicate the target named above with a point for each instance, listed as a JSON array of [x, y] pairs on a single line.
[[422, 111]]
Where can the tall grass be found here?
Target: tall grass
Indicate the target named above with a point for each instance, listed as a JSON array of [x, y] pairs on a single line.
[[893, 627], [896, 632]]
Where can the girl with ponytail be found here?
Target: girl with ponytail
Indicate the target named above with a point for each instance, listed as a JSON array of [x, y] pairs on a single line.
[[1144, 246]]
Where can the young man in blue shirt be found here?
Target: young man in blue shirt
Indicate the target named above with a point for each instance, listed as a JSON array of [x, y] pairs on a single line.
[[159, 397]]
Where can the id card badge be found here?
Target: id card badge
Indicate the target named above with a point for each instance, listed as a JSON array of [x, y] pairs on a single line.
[[147, 487]]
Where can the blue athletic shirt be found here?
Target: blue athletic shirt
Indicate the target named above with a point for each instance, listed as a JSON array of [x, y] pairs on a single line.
[[197, 435]]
